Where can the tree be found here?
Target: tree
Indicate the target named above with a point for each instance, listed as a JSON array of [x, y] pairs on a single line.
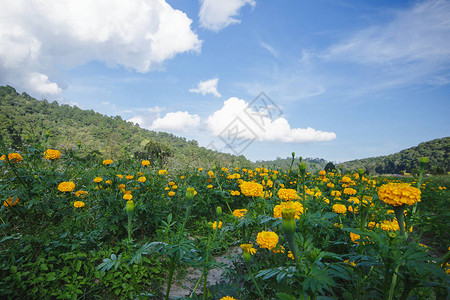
[[330, 167]]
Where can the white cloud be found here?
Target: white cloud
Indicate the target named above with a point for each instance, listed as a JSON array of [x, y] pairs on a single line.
[[269, 48], [180, 121], [147, 116], [237, 117], [218, 14], [39, 39], [207, 87]]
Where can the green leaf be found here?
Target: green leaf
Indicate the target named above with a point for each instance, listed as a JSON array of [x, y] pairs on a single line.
[[285, 296]]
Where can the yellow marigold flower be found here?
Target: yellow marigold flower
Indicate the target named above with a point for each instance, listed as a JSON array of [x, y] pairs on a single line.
[[127, 192], [127, 197], [214, 225], [287, 194], [107, 162], [119, 176], [98, 179], [66, 186], [350, 191], [326, 200], [162, 172], [353, 200], [171, 193], [52, 154], [330, 185], [346, 179], [142, 179], [129, 177], [224, 169], [352, 263], [267, 239], [354, 237], [8, 202], [209, 186], [211, 174], [139, 173], [239, 213], [335, 193], [278, 249], [340, 208], [167, 188], [81, 194], [248, 248], [353, 210], [78, 204], [322, 173], [227, 298], [171, 183], [12, 157], [295, 205], [251, 189], [398, 194], [174, 186], [145, 163], [121, 186], [290, 255], [200, 169]]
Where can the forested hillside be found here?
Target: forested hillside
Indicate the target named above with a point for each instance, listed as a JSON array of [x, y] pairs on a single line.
[[406, 160], [24, 119], [285, 163]]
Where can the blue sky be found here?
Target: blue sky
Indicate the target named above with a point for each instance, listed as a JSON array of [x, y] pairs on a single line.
[[341, 79]]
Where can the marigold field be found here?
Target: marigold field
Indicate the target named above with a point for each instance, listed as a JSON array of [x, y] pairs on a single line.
[[73, 228]]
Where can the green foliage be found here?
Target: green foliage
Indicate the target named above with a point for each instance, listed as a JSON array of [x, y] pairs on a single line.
[[407, 160], [25, 119]]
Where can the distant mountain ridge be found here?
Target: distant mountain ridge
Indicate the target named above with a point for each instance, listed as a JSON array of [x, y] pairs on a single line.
[[407, 160], [22, 116]]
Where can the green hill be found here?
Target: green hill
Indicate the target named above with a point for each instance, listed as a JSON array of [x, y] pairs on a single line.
[[406, 160], [24, 120]]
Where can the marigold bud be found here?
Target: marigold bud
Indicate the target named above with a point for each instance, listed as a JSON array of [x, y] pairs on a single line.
[[288, 223], [423, 161], [219, 211], [293, 154], [129, 206], [266, 177], [190, 192], [302, 166], [274, 177]]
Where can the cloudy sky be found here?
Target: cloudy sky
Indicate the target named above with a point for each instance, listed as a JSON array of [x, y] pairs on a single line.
[[335, 79]]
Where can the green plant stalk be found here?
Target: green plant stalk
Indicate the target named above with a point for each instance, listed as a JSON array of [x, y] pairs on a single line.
[[399, 214], [419, 184], [171, 271], [253, 279], [133, 274], [393, 283]]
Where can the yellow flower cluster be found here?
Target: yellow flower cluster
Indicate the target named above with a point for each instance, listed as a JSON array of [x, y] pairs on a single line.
[[287, 194], [81, 194], [239, 213], [388, 225], [66, 186], [235, 193], [127, 197], [398, 194], [129, 177], [248, 248], [171, 193], [142, 179], [214, 225], [251, 189], [335, 193], [267, 239], [162, 172], [98, 179], [145, 163], [78, 204], [297, 206], [349, 191], [12, 157], [52, 154], [8, 202], [107, 162], [227, 298], [340, 208]]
